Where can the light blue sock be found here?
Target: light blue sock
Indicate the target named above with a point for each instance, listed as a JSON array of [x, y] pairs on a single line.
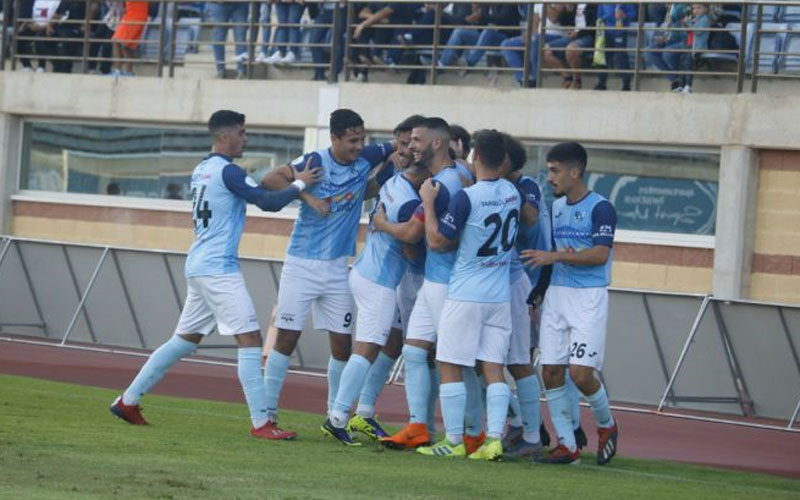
[[335, 368], [514, 411], [433, 398], [353, 377], [497, 396], [474, 418], [376, 380], [561, 414], [529, 391], [156, 367], [418, 383], [599, 403], [454, 405], [574, 400], [255, 393], [274, 375]]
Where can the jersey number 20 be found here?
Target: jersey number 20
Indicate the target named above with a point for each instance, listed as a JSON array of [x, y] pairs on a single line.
[[507, 238]]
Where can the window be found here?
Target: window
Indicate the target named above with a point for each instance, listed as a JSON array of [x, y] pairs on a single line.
[[141, 161]]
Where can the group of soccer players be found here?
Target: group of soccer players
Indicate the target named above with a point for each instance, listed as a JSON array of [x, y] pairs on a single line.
[[461, 246]]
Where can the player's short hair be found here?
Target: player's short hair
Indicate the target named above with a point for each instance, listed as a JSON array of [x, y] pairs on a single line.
[[571, 154], [408, 124], [344, 119], [516, 153], [222, 119], [458, 132], [490, 146], [438, 126]]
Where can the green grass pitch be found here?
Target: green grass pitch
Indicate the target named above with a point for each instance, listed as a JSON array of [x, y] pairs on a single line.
[[60, 441]]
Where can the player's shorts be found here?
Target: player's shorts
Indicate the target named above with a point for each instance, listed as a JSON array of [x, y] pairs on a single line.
[[406, 296], [573, 329], [221, 301], [470, 331], [376, 309], [318, 285], [519, 349], [424, 319]]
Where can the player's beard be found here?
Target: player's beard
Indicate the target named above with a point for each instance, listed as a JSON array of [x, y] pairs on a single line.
[[425, 157]]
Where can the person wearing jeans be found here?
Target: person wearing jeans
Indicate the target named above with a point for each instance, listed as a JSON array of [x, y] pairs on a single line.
[[668, 61], [289, 12], [616, 16], [229, 12], [325, 35], [264, 20]]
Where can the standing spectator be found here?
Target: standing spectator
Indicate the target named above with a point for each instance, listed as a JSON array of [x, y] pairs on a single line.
[[289, 12], [126, 37], [110, 12], [221, 13], [40, 12], [264, 56], [697, 40], [669, 40], [319, 35], [618, 15], [67, 23]]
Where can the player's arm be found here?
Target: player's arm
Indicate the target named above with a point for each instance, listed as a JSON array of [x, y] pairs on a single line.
[[410, 232], [443, 233], [604, 223], [531, 197], [278, 178], [378, 177], [237, 182], [537, 294]]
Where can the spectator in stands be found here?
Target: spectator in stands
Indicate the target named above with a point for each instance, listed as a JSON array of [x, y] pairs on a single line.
[[463, 36], [265, 55], [670, 40], [229, 12], [126, 37], [579, 39], [656, 13], [113, 189], [286, 37], [325, 16], [174, 191], [40, 12], [67, 23], [619, 16], [111, 12], [498, 15], [697, 39], [383, 13]]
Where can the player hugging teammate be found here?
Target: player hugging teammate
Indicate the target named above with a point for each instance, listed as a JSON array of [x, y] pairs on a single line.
[[456, 252]]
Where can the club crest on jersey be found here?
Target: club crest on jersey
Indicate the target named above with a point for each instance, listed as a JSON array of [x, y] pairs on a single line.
[[578, 215]]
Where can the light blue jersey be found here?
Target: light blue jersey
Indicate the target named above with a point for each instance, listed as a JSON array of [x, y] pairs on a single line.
[[438, 265], [580, 226], [332, 236], [220, 193], [537, 236], [382, 260], [486, 216]]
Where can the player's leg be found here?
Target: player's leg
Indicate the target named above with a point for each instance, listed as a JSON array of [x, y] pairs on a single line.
[[574, 401], [298, 288], [554, 345], [195, 317], [379, 374], [474, 435], [587, 356]]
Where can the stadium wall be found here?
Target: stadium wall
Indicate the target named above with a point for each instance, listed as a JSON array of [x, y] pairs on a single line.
[[759, 178]]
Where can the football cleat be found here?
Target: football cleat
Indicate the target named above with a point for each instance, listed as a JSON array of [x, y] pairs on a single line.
[[472, 443], [270, 430], [411, 436], [524, 450], [606, 444], [129, 413], [580, 438], [367, 425], [491, 449], [512, 437], [338, 433], [561, 455], [444, 448]]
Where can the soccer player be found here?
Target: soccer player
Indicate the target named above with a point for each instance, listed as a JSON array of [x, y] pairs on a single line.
[[315, 272], [373, 281], [217, 295], [429, 145], [575, 309], [475, 325], [365, 420]]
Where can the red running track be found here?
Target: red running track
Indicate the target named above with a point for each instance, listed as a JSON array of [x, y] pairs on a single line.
[[641, 435]]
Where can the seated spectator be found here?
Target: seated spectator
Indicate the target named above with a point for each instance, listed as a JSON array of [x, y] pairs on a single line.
[[504, 14], [558, 16], [670, 40], [286, 37], [320, 35], [221, 13], [619, 16], [463, 36], [655, 13], [40, 12], [126, 37], [697, 40], [579, 39]]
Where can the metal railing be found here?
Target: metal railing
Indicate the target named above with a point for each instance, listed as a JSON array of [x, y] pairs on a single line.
[[767, 34]]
